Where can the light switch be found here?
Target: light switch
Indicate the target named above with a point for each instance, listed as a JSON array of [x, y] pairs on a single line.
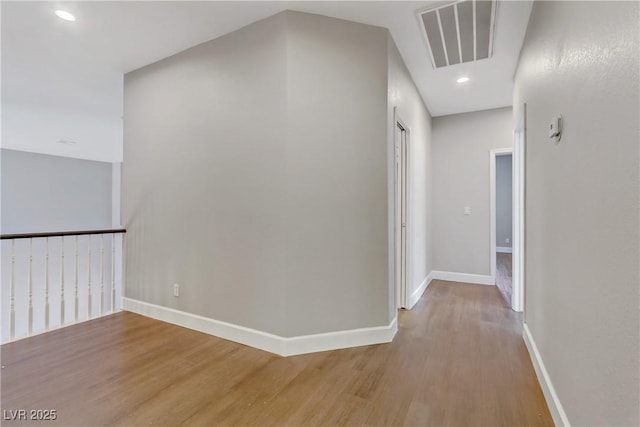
[[467, 210], [555, 128]]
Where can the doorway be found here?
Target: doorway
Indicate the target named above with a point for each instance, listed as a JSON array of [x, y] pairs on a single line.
[[504, 224], [507, 256], [401, 186], [501, 228]]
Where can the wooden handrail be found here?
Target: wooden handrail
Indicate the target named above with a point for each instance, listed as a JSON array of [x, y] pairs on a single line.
[[61, 233]]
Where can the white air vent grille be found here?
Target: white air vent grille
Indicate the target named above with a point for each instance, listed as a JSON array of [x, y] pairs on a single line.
[[459, 32]]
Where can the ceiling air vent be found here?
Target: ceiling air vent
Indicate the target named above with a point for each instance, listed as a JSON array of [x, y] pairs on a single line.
[[459, 32]]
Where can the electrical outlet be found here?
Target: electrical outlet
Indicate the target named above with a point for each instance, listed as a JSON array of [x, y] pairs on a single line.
[[176, 290]]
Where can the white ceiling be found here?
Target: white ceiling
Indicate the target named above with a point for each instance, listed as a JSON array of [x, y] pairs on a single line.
[[58, 68]]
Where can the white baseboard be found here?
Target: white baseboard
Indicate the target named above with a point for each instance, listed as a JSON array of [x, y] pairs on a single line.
[[341, 339], [504, 249], [283, 346], [553, 402], [417, 294], [479, 279], [251, 337]]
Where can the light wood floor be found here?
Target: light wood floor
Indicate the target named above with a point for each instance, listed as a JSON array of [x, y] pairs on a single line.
[[458, 360], [503, 276]]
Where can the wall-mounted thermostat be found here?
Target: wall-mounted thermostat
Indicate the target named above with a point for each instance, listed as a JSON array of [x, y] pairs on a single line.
[[555, 128]]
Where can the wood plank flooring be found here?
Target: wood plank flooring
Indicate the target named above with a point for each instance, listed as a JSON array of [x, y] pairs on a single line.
[[503, 276], [458, 360]]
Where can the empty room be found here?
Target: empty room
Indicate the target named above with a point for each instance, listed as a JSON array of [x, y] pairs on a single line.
[[386, 213]]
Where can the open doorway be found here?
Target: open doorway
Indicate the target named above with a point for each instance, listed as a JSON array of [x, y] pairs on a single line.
[[507, 189], [401, 186], [504, 224], [501, 234]]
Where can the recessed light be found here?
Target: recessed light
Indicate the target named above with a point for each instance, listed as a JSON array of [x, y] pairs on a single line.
[[63, 14], [65, 142], [463, 79]]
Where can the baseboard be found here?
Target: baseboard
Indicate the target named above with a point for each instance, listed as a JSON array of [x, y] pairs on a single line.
[[283, 346], [504, 250], [463, 277], [341, 339], [240, 334], [417, 294], [553, 402]]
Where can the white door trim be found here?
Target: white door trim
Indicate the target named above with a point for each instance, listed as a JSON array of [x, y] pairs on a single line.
[[493, 154], [402, 263]]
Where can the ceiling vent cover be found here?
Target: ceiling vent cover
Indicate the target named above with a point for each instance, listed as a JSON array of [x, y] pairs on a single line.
[[459, 32]]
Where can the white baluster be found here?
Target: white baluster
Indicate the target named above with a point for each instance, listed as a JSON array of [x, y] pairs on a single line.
[[76, 280], [46, 284], [89, 282], [61, 280], [12, 285], [113, 273], [30, 287], [101, 271]]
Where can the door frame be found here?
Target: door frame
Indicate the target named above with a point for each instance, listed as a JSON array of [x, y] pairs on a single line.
[[401, 150], [517, 211], [518, 243]]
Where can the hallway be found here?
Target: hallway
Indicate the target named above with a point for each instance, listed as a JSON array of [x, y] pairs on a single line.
[[458, 359]]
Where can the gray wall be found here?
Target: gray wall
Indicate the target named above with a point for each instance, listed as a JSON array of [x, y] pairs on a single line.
[[503, 201], [204, 179], [255, 176], [336, 156], [404, 96], [461, 145], [581, 60], [41, 193]]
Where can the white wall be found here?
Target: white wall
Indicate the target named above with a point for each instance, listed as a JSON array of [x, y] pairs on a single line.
[[405, 98], [255, 177], [51, 91], [504, 201], [96, 136], [461, 146], [581, 60]]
